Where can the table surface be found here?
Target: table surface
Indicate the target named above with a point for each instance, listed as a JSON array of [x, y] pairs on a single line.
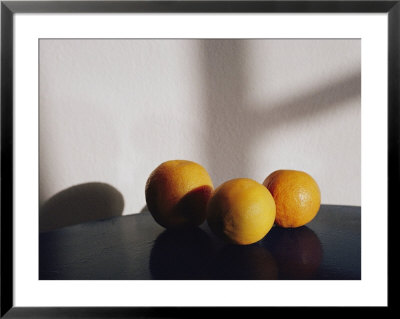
[[135, 247]]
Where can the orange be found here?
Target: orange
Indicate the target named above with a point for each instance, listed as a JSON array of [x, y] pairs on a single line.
[[177, 193], [297, 197], [241, 211]]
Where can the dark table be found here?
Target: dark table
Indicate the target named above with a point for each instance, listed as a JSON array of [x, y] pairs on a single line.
[[136, 247]]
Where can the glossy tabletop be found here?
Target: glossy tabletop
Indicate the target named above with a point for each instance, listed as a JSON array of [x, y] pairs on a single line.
[[135, 247]]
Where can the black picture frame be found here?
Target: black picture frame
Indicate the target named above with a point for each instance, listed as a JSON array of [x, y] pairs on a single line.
[[9, 8]]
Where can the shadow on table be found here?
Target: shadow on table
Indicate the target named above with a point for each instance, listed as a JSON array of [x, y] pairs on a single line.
[[191, 254], [297, 251], [80, 203], [181, 255], [249, 262]]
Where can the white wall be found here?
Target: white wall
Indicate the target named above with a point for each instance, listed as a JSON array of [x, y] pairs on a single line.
[[112, 110]]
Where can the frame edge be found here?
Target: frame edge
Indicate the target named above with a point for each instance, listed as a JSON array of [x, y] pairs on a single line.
[[6, 221], [393, 116]]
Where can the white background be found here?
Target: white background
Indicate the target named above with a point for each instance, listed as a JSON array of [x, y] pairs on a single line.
[[371, 290], [113, 110]]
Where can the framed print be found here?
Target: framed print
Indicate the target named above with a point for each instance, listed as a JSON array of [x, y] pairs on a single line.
[[165, 157]]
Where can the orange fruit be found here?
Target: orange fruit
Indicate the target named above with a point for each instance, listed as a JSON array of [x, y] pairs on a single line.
[[177, 193], [241, 211], [297, 197]]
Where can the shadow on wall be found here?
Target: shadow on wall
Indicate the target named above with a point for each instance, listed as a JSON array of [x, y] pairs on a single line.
[[80, 203], [234, 121]]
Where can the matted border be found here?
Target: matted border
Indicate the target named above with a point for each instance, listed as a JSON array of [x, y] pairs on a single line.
[[9, 8]]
